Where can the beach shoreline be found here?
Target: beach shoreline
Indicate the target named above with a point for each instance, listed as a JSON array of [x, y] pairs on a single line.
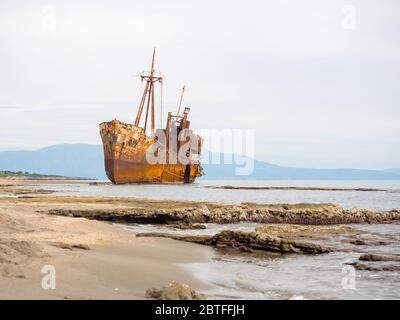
[[92, 259], [99, 251]]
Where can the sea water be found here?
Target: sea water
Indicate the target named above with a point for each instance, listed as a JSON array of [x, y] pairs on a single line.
[[201, 191]]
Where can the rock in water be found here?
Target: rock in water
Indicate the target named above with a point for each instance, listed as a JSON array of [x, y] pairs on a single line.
[[260, 241], [371, 266], [376, 257], [174, 291], [375, 262], [296, 229], [168, 212], [247, 241]]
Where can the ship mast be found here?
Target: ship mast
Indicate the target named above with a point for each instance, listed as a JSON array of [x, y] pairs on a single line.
[[148, 96], [180, 101]]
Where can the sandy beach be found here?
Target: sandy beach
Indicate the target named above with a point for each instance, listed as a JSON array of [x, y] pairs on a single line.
[[92, 259]]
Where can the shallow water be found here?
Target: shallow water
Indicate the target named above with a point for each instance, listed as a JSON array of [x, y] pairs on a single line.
[[199, 191], [294, 277], [245, 276]]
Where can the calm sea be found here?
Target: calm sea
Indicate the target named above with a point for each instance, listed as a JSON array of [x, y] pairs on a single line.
[[382, 200]]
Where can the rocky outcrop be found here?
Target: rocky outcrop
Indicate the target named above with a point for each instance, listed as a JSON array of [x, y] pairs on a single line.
[[200, 212], [375, 262], [387, 266], [302, 230], [293, 188], [376, 257], [374, 241], [174, 291], [264, 242], [247, 241]]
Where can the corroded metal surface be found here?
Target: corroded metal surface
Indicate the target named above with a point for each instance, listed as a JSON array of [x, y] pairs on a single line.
[[125, 147]]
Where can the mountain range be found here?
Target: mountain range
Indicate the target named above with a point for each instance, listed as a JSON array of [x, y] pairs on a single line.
[[86, 160], [394, 170]]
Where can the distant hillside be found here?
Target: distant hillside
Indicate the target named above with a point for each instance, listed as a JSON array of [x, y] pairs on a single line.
[[85, 160], [28, 175], [267, 171], [72, 160], [394, 170]]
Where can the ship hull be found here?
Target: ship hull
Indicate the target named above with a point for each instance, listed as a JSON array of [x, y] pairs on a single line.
[[125, 171], [125, 147]]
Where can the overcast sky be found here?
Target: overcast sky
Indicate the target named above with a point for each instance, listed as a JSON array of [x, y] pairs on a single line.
[[319, 85]]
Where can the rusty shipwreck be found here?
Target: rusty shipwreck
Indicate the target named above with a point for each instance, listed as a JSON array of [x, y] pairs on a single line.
[[165, 155]]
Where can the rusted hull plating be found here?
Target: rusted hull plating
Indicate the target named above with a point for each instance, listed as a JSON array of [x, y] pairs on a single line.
[[125, 147]]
